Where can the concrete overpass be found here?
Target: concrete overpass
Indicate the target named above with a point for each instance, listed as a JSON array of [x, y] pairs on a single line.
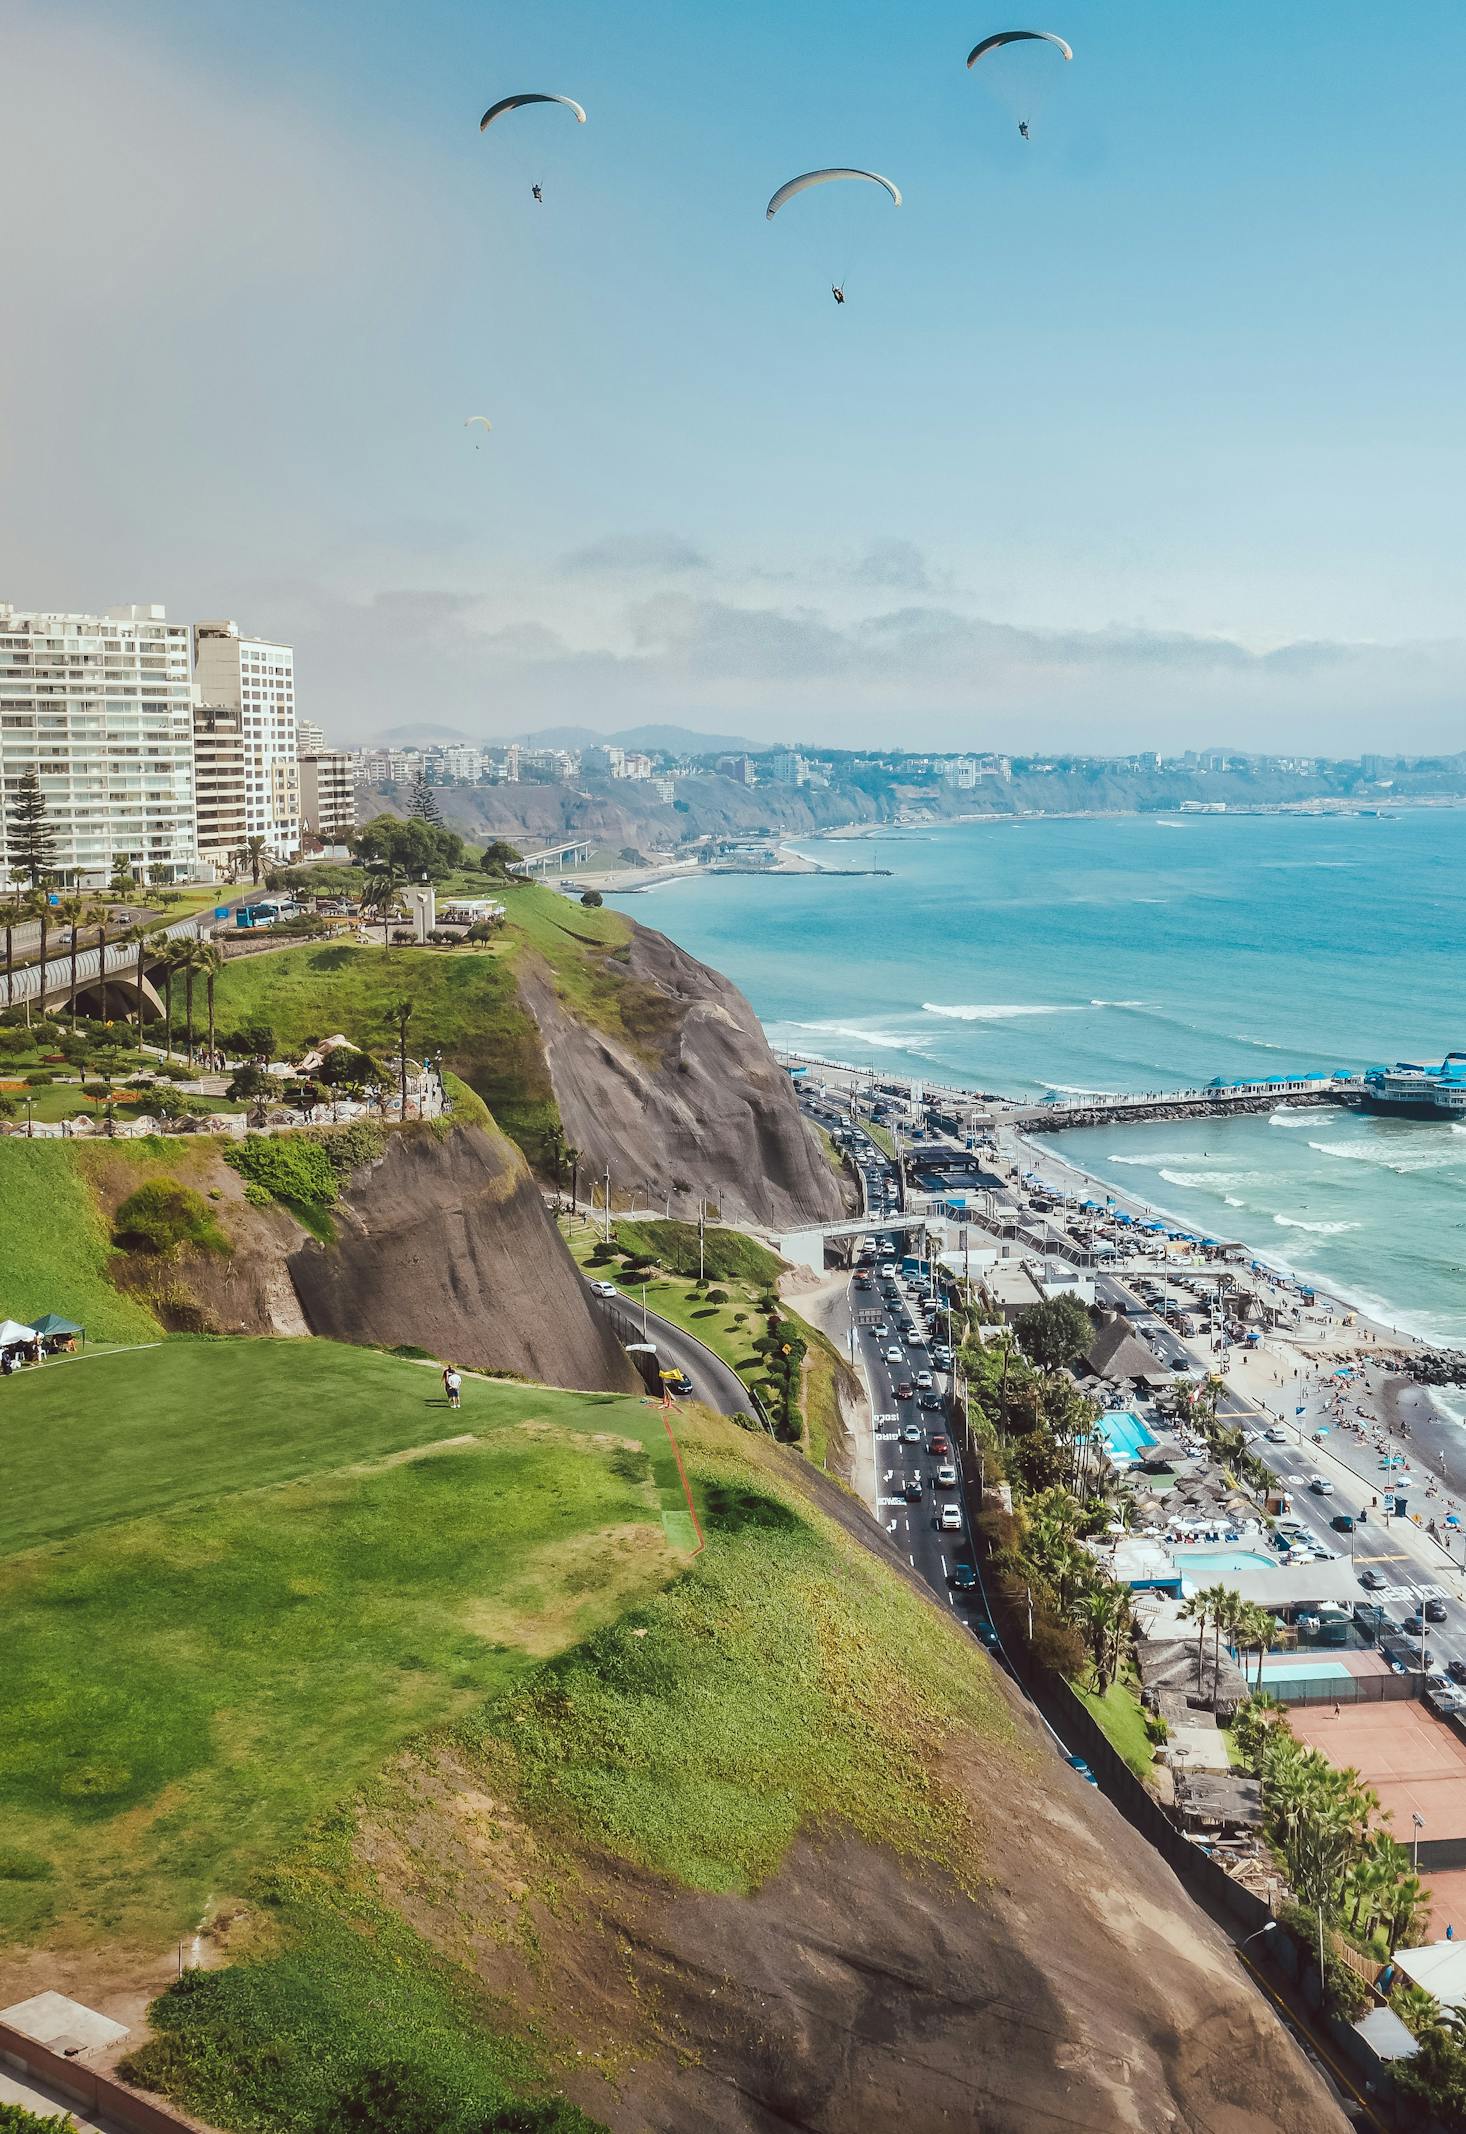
[[806, 1247], [48, 986], [574, 854]]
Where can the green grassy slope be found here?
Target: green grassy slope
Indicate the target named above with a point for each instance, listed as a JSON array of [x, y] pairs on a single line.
[[466, 1001], [265, 1592], [55, 1249]]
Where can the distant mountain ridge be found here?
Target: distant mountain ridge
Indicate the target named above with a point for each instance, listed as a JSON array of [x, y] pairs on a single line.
[[676, 740]]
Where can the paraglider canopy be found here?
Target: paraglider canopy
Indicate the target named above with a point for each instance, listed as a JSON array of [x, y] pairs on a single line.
[[823, 177], [515, 103], [990, 44], [478, 418]]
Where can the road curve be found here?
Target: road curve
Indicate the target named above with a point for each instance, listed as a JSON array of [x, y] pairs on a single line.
[[714, 1382]]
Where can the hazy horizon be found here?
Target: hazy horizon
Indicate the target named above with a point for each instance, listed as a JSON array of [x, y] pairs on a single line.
[[1142, 434]]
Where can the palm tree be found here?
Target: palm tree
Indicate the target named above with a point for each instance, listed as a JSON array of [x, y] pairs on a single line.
[[13, 911], [251, 854], [69, 911], [1104, 1617], [168, 960], [379, 893], [38, 907], [1227, 1606], [187, 954], [1254, 1633], [1196, 1608], [209, 961], [137, 937], [99, 914]]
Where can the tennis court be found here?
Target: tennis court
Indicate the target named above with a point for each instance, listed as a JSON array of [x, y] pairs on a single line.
[[1416, 1765]]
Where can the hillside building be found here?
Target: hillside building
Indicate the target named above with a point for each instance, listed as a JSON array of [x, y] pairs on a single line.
[[218, 771], [258, 677], [100, 707]]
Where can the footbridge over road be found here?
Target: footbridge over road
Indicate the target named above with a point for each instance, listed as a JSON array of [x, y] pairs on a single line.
[[806, 1247], [575, 854]]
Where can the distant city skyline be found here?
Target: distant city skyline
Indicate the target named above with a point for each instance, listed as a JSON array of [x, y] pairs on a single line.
[[1145, 434]]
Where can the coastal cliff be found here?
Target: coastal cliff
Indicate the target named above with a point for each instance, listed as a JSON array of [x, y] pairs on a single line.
[[697, 1110], [443, 1242]]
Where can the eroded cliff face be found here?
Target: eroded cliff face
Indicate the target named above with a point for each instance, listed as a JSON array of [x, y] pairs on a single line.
[[698, 1110], [443, 1241]]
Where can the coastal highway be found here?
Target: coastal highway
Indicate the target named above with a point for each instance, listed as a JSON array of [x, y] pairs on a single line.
[[713, 1381]]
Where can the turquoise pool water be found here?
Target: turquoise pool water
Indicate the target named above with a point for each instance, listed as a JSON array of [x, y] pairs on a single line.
[[1207, 1563], [1125, 1434], [1289, 1666]]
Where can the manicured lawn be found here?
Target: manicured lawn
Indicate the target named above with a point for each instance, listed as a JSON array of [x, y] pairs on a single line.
[[265, 1592], [1123, 1721], [54, 1253], [882, 1137]]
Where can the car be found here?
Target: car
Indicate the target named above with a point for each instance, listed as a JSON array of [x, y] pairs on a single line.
[[1371, 1580], [862, 1281], [1342, 1523], [983, 1629], [895, 1354], [1321, 1486], [950, 1521], [925, 1381], [881, 1331], [1077, 1763], [946, 1476], [939, 1447], [1456, 1669], [941, 1353], [964, 1577], [913, 1489], [888, 1269], [903, 1389], [911, 1435], [678, 1384], [604, 1289], [1277, 1435], [1435, 1611], [929, 1400], [1413, 1628]]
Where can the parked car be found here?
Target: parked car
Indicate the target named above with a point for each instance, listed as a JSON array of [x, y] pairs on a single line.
[[1456, 1669], [950, 1521]]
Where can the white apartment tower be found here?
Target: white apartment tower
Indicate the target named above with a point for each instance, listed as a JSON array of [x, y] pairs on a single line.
[[259, 678], [100, 707]]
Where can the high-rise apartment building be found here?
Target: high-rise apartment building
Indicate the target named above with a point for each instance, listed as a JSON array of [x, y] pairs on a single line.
[[100, 707], [259, 678], [219, 783], [327, 797], [310, 739]]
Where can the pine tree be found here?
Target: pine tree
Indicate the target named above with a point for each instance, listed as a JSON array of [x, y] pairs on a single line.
[[30, 839], [424, 805]]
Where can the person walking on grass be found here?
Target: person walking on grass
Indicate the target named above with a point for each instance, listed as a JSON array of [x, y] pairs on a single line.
[[452, 1383]]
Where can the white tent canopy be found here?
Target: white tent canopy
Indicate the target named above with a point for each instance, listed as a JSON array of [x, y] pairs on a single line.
[[11, 1331]]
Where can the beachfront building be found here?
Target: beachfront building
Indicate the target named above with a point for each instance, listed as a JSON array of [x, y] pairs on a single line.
[[100, 707], [257, 677]]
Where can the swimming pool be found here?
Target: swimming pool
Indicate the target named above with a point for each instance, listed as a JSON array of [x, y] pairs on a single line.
[[1125, 1435], [1211, 1563], [1293, 1667]]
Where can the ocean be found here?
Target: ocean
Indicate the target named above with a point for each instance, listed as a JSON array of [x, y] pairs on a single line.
[[1150, 954]]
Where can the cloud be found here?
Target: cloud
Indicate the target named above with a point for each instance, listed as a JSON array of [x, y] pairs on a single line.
[[669, 554], [899, 566]]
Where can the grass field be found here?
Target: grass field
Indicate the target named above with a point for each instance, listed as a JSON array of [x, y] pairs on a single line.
[[1120, 1716], [785, 1683], [236, 1575], [55, 1249]]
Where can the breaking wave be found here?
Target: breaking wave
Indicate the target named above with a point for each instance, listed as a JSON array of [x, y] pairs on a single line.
[[996, 1012], [1297, 1222]]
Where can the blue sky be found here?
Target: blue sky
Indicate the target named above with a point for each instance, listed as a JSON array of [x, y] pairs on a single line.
[[1148, 429]]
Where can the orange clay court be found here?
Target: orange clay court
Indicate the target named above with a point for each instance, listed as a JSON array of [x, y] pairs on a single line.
[[1414, 1763]]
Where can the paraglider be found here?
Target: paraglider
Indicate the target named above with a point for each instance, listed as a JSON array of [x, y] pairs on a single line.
[[1022, 128], [517, 103], [478, 418], [991, 44], [837, 292], [823, 177], [539, 195]]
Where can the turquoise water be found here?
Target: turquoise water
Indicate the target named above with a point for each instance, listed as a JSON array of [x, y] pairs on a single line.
[[1125, 1434], [1296, 1669], [1215, 1563], [1150, 954]]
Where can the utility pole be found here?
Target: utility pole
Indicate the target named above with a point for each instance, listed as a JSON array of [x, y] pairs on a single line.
[[702, 1211], [606, 1231]]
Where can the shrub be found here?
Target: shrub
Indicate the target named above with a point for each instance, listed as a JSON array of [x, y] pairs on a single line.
[[15, 2119], [718, 1296], [592, 900], [163, 1215]]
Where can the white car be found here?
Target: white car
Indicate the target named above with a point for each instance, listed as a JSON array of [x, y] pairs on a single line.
[[924, 1381], [941, 1353], [888, 1270], [605, 1289], [894, 1355], [946, 1476], [950, 1521], [1277, 1435], [1321, 1486]]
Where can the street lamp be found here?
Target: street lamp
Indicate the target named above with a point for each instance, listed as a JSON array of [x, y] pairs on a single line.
[[1270, 1928], [1419, 1822]]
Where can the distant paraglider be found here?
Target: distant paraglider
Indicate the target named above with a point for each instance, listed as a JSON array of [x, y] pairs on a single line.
[[480, 419]]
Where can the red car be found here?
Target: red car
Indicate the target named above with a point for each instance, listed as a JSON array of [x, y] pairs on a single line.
[[939, 1449], [903, 1390]]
